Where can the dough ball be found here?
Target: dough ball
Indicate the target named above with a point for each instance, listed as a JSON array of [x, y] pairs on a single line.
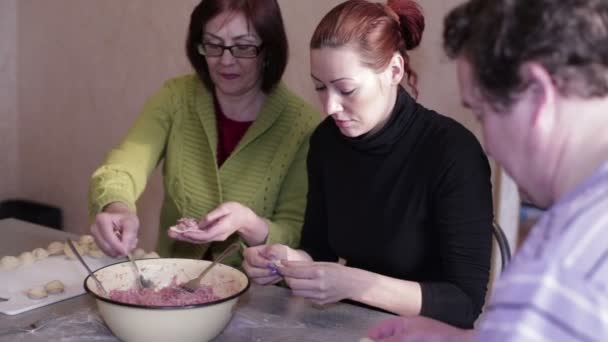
[[10, 262], [55, 248], [37, 293], [96, 253], [54, 287], [40, 253], [151, 255], [138, 253], [27, 258], [86, 239], [366, 339], [68, 251]]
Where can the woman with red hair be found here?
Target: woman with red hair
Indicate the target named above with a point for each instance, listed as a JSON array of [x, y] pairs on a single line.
[[398, 192]]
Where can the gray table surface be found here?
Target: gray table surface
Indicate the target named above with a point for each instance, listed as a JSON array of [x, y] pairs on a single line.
[[265, 313]]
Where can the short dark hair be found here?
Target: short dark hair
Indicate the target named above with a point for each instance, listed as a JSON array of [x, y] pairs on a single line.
[[266, 18], [568, 37]]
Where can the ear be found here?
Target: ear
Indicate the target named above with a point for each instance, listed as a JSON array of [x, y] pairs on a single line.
[[541, 94], [395, 69]]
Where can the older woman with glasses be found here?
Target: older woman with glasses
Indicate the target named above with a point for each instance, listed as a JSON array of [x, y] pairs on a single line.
[[233, 140]]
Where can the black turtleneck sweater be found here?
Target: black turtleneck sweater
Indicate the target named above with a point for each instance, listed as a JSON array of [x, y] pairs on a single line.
[[413, 202]]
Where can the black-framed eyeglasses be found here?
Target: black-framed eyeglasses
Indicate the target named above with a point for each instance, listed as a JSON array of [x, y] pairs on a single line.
[[237, 51]]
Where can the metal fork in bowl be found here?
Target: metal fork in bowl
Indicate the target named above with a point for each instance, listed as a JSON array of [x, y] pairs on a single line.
[[141, 282], [195, 283]]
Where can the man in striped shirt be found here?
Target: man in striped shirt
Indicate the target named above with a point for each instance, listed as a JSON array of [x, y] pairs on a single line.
[[535, 75]]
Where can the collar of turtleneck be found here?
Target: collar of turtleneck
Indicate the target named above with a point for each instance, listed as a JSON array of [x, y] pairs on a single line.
[[398, 123]]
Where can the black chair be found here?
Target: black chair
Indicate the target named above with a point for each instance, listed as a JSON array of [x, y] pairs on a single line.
[[503, 245], [34, 212]]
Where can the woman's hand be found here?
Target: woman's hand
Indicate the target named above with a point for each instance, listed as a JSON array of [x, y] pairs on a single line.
[[417, 328], [225, 220], [260, 263], [321, 282], [115, 229]]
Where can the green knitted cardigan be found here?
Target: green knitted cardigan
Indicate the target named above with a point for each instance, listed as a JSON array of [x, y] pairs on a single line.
[[266, 171]]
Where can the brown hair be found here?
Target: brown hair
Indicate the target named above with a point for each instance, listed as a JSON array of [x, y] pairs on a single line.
[[376, 30], [264, 15], [568, 38]]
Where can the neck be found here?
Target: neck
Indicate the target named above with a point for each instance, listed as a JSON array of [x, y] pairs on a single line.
[[244, 107], [392, 102], [584, 144]]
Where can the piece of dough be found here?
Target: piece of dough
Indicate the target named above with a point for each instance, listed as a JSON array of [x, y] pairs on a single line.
[[27, 258], [96, 253], [55, 248], [151, 255], [68, 251], [37, 293], [40, 253], [185, 224], [366, 339], [10, 262], [138, 253], [86, 239], [54, 287]]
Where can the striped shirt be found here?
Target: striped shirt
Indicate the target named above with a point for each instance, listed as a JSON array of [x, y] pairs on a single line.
[[556, 288]]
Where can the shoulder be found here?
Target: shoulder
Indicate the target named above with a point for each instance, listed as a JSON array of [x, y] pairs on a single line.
[[296, 109], [450, 142], [183, 82]]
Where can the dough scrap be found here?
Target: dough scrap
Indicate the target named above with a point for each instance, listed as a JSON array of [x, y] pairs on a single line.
[[27, 258], [40, 253], [68, 251], [86, 239], [55, 248], [10, 262], [54, 287], [184, 225], [151, 255], [37, 293], [138, 253], [96, 253]]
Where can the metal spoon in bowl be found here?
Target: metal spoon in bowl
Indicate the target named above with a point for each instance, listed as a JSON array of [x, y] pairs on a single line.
[[99, 285], [139, 278], [195, 283]]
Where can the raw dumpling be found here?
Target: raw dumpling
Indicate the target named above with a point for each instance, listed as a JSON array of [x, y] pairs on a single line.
[[27, 258], [86, 240], [37, 293], [54, 287], [40, 253], [151, 255], [95, 252], [185, 224], [55, 248], [68, 251], [138, 253], [10, 262]]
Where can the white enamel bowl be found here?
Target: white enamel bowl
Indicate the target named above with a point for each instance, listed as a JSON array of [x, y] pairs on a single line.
[[201, 322]]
